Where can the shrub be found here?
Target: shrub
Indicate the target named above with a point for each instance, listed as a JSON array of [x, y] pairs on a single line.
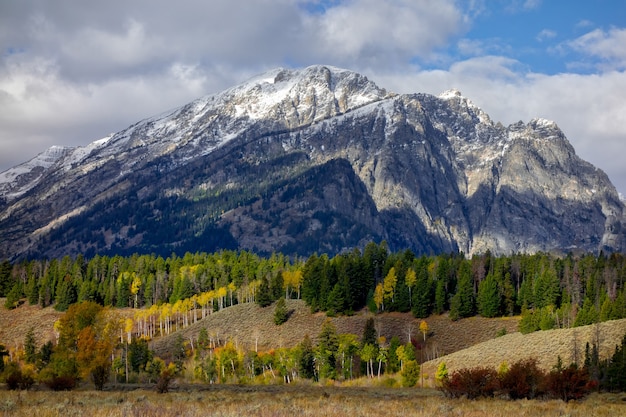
[[471, 383], [61, 383], [523, 379], [442, 374], [410, 374], [17, 380], [166, 377], [100, 376], [570, 383]]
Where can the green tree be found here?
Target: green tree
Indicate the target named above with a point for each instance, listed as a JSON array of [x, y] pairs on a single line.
[[306, 362], [410, 373], [442, 373], [348, 348], [14, 296], [65, 294], [6, 283], [616, 369], [264, 296], [30, 347], [422, 297], [139, 354], [335, 302], [441, 297], [281, 315], [368, 354], [462, 303], [328, 346], [369, 333], [488, 299]]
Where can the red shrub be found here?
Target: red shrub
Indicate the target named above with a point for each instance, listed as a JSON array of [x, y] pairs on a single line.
[[570, 383], [523, 380], [471, 383]]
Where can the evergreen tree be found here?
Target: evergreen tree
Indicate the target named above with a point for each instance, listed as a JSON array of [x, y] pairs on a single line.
[[139, 354], [488, 299], [32, 290], [264, 296], [422, 297], [369, 333], [616, 369], [30, 347], [281, 315], [462, 303], [328, 346], [306, 362], [335, 302], [14, 296], [6, 283], [441, 297]]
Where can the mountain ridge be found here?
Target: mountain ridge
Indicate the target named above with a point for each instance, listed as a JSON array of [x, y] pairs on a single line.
[[435, 174]]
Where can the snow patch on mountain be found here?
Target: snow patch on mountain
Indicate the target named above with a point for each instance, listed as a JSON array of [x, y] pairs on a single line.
[[16, 181]]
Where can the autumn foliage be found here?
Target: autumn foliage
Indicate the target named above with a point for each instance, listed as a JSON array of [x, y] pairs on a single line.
[[523, 380]]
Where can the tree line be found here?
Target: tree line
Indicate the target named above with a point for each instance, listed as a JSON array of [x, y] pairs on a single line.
[[548, 291]]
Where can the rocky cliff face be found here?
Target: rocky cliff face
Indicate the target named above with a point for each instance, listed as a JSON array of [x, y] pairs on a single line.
[[319, 159]]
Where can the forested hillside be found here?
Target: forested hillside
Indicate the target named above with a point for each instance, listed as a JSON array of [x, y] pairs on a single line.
[[549, 292], [160, 332]]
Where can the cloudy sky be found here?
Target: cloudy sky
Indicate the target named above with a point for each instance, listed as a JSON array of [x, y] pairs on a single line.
[[73, 71]]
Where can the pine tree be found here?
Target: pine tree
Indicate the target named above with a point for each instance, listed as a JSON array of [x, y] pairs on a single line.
[[281, 315], [369, 333], [616, 369], [264, 296], [306, 362], [488, 299], [14, 296], [30, 347], [328, 346], [462, 303], [6, 283], [422, 297], [335, 302]]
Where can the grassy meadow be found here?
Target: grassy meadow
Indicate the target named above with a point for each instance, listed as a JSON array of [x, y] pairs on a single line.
[[288, 401]]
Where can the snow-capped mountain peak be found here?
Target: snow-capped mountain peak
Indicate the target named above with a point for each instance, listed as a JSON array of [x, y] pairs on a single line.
[[316, 159]]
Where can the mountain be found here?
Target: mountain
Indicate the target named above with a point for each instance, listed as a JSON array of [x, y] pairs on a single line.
[[318, 159]]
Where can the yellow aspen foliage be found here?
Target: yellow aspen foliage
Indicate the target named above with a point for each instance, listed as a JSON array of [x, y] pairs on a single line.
[[424, 328], [379, 297], [389, 284]]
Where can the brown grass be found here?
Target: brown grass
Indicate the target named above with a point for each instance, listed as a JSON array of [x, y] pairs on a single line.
[[288, 401], [14, 324]]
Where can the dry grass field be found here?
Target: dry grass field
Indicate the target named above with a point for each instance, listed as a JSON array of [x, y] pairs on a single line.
[[288, 401], [15, 323], [545, 346]]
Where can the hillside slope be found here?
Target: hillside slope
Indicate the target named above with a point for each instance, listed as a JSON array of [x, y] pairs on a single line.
[[249, 324], [545, 346]]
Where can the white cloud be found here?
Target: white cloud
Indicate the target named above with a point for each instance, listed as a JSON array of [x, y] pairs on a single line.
[[609, 46], [545, 34], [379, 34]]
